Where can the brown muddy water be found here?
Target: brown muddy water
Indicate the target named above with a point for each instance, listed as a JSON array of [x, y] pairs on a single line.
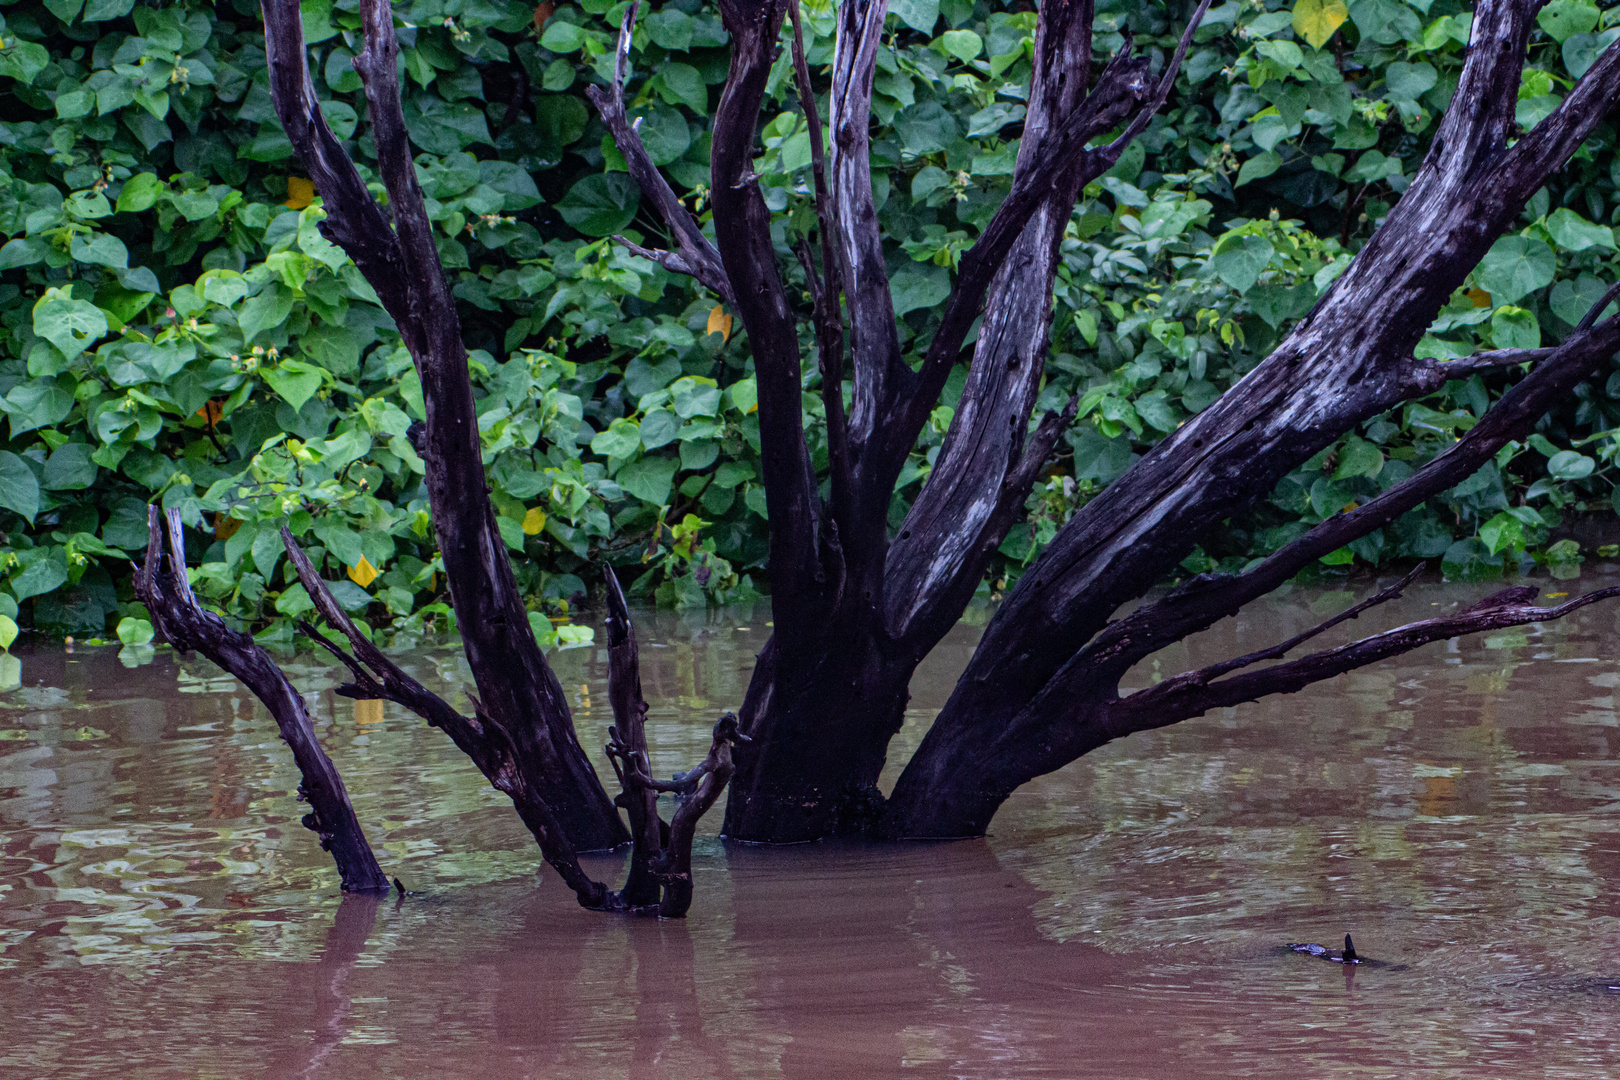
[[162, 913]]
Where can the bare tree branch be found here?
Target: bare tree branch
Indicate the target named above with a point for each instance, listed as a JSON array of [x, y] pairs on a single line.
[[1207, 600], [696, 256], [628, 750], [402, 265], [880, 375], [826, 289], [1194, 694], [178, 617], [483, 739], [742, 225]]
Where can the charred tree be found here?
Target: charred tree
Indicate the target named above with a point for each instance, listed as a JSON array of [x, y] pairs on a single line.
[[520, 736], [856, 606]]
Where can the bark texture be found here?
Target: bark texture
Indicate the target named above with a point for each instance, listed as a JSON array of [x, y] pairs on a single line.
[[399, 259], [164, 588], [856, 607]]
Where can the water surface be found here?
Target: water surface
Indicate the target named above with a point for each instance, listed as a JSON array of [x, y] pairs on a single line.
[[163, 913]]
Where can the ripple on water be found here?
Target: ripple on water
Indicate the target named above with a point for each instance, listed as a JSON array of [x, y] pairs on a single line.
[[1457, 810]]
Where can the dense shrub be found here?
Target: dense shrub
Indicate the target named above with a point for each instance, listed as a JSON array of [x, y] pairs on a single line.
[[176, 329]]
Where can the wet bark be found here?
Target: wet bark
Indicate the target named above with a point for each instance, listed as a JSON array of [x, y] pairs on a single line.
[[399, 259], [164, 588], [855, 608]]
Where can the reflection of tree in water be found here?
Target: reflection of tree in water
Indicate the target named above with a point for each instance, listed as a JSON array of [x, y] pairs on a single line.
[[327, 983]]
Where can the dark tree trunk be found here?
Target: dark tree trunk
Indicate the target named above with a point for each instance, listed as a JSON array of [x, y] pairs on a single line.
[[401, 261], [855, 608]]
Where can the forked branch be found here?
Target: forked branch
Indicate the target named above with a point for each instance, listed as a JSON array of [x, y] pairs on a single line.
[[164, 588], [1197, 692], [694, 256]]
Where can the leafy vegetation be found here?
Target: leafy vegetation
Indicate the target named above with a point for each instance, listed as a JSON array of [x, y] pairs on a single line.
[[175, 328]]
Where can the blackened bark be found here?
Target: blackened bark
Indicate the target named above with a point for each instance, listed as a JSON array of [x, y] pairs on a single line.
[[1348, 360], [519, 691], [628, 750], [163, 587], [822, 707]]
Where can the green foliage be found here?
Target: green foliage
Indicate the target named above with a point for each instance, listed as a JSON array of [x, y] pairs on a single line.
[[175, 328]]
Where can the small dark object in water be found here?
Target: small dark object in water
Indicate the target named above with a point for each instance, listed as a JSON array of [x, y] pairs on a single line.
[[1348, 956]]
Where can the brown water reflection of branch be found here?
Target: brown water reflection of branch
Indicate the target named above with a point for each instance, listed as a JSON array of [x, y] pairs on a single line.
[[345, 941]]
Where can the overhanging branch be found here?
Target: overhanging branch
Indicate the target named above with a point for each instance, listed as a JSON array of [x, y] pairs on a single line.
[[695, 255], [1194, 694]]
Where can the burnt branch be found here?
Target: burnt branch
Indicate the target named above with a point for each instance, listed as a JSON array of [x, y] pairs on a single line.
[[1207, 600], [627, 749], [742, 227], [694, 256], [697, 792], [1426, 376], [1061, 162], [400, 260], [1194, 694], [962, 514], [481, 738], [826, 288], [163, 587]]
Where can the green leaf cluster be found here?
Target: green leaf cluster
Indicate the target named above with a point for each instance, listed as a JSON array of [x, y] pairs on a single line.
[[176, 328]]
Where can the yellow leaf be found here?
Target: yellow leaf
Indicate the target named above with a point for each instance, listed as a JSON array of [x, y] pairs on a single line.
[[363, 573], [225, 527], [300, 192], [720, 323], [1480, 297], [368, 711], [1316, 20], [534, 521]]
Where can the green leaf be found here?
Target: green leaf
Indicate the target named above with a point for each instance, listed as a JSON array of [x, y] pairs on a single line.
[[600, 205], [133, 631], [264, 312], [1515, 328], [1259, 167], [1571, 300], [669, 28], [1386, 22], [649, 479], [621, 439], [1563, 19], [1242, 261], [103, 10], [965, 45], [1316, 20], [1570, 465], [70, 468], [19, 487], [919, 286], [23, 60], [1502, 532], [563, 37], [100, 249], [140, 193], [71, 325], [1359, 458], [1574, 233], [920, 15], [516, 186], [38, 403], [66, 10], [8, 632], [295, 381], [1515, 267], [23, 251], [46, 571], [681, 84], [1410, 81], [664, 134]]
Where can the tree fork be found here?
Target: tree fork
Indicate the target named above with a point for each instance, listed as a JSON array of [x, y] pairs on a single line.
[[402, 264]]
